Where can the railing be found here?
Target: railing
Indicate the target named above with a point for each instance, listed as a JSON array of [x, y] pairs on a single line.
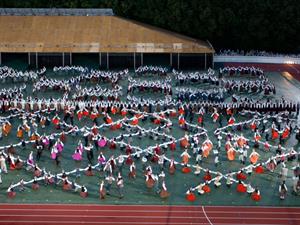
[[258, 59]]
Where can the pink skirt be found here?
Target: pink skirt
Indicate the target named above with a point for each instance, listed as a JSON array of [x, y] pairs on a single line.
[[60, 148], [101, 143], [77, 157], [53, 155]]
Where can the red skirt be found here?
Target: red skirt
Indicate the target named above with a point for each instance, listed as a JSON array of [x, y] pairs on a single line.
[[129, 161], [132, 174], [37, 173], [35, 186], [11, 194], [66, 187], [112, 145], [164, 194], [190, 197], [241, 176], [12, 166], [241, 188], [150, 183], [154, 159], [19, 165], [172, 170], [184, 143], [172, 146], [206, 189], [186, 170], [102, 194], [89, 173], [255, 197], [83, 194], [259, 169], [173, 114], [207, 177]]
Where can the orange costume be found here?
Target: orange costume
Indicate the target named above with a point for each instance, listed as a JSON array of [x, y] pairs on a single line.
[[241, 141], [184, 143], [185, 157], [206, 148], [231, 154], [20, 133], [6, 128], [254, 156], [34, 137]]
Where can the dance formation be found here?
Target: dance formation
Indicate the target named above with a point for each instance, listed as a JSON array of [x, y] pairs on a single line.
[[204, 117]]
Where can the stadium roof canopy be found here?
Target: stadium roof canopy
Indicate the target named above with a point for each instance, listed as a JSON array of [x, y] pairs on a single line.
[[87, 31]]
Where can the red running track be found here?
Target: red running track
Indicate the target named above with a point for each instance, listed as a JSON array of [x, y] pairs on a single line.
[[293, 69], [54, 214]]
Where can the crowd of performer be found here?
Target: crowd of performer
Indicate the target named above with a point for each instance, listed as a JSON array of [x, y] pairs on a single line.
[[163, 86], [190, 111], [151, 70]]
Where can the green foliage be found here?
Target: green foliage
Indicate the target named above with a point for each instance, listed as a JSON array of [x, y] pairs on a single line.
[[272, 25]]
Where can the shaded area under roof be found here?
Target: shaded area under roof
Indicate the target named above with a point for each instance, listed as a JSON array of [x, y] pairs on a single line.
[[54, 12]]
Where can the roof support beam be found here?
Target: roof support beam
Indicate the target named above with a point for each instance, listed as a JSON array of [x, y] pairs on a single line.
[[142, 59], [36, 60], [205, 63], [100, 59], [178, 61], [63, 59], [134, 61], [107, 60]]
